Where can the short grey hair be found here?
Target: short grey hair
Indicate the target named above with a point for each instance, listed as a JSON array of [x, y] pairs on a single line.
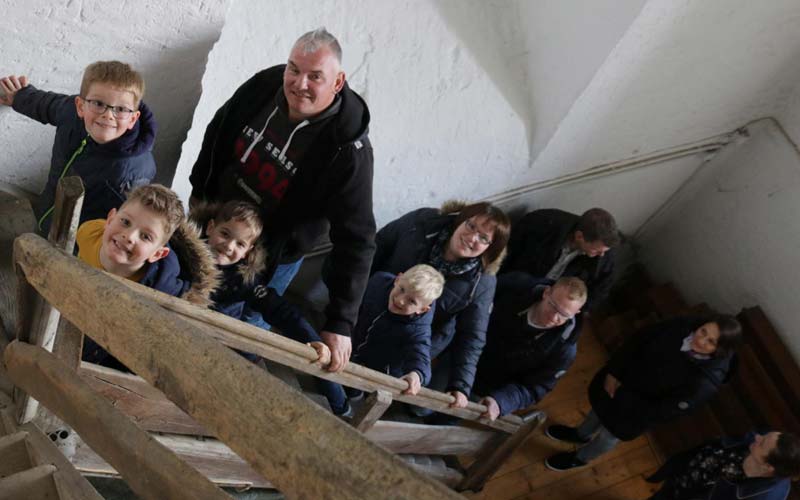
[[318, 38]]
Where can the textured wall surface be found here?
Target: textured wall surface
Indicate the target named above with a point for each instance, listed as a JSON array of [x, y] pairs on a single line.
[[52, 42], [731, 236], [459, 91]]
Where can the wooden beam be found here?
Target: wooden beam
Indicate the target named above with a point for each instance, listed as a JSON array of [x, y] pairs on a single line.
[[494, 453], [372, 410], [31, 483], [273, 427], [213, 459], [37, 321], [68, 344], [269, 345], [143, 403], [149, 468], [403, 437], [68, 480]]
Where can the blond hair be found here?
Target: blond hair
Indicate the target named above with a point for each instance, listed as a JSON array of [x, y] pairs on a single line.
[[575, 287], [116, 74], [424, 281], [162, 201]]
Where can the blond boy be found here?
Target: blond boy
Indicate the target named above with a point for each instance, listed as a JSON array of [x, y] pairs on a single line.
[[105, 135], [393, 332]]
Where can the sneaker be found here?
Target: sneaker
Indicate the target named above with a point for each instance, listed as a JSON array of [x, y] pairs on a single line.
[[347, 413], [565, 434], [563, 462], [354, 394]]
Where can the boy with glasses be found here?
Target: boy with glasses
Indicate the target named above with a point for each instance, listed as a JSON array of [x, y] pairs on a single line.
[[531, 341], [105, 136]]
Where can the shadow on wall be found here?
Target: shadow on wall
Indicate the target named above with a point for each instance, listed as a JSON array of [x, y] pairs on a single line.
[[173, 91], [489, 29]]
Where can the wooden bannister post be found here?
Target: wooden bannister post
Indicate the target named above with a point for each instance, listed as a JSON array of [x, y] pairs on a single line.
[[149, 468], [37, 321], [495, 453], [375, 405], [273, 427]]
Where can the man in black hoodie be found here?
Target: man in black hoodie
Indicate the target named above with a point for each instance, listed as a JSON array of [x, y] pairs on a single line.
[[293, 140]]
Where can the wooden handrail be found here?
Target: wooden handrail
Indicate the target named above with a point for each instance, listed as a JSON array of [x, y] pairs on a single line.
[[243, 336], [150, 469], [302, 449]]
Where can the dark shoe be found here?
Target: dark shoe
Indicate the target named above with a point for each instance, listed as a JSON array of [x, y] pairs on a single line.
[[563, 462], [345, 413], [565, 434], [354, 394]]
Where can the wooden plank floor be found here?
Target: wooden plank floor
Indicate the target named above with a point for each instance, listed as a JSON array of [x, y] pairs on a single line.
[[618, 475]]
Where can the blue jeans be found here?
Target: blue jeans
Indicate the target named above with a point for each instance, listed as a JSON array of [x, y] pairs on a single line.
[[280, 281], [602, 442]]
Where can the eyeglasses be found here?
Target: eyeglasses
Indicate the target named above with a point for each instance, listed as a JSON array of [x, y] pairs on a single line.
[[561, 314], [100, 107], [472, 228]]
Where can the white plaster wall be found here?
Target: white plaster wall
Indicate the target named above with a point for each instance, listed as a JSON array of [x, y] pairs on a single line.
[[459, 91], [684, 70], [52, 42], [730, 238]]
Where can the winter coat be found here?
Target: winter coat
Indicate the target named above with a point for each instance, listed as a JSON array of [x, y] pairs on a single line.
[[462, 312], [188, 271], [535, 246], [108, 171], [333, 185], [239, 285], [658, 381], [760, 488], [521, 364], [383, 339]]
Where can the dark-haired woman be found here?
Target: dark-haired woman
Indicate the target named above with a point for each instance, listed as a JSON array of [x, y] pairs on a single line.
[[662, 372], [756, 467], [466, 244]]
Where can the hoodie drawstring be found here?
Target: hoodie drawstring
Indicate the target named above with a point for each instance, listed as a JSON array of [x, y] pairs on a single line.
[[257, 138], [63, 173]]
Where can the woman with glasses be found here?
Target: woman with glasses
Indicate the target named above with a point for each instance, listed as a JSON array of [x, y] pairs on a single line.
[[662, 372], [466, 244]]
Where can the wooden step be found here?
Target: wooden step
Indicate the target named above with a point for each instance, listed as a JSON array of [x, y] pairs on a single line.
[[666, 301], [34, 483], [435, 467]]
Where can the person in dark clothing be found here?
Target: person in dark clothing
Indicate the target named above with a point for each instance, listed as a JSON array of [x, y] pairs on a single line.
[[551, 243], [148, 241], [293, 141], [531, 341], [105, 136], [466, 243], [662, 372], [232, 232], [755, 466], [393, 332]]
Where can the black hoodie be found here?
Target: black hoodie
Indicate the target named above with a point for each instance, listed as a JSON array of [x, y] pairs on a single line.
[[333, 183]]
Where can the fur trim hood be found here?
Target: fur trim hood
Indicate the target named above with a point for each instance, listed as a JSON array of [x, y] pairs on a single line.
[[453, 207], [252, 265], [195, 256]]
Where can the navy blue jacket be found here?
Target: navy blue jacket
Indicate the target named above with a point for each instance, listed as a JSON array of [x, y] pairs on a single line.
[[521, 364], [384, 340], [108, 171], [535, 245], [233, 293], [658, 381], [761, 488], [462, 312]]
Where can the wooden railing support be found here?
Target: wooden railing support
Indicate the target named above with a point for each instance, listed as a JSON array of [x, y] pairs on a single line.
[[273, 427], [150, 469], [495, 452], [375, 405], [37, 321]]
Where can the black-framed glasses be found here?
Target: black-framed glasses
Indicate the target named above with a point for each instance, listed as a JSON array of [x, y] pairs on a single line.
[[473, 228], [561, 314], [100, 107]]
